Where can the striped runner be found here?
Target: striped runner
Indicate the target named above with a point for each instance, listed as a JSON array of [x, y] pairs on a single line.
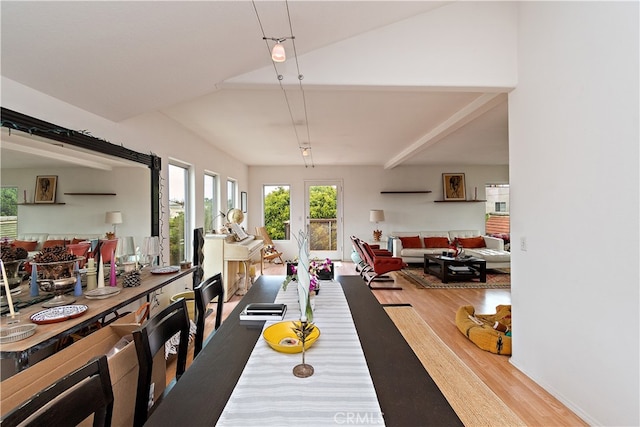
[[339, 392]]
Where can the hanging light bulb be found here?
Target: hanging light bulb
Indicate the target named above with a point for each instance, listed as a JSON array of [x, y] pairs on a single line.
[[305, 152], [277, 53]]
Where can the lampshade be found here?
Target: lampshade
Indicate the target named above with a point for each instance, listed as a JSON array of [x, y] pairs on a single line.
[[277, 53], [126, 247], [114, 217], [376, 215]]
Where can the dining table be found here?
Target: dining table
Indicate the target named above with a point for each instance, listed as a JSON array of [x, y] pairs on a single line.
[[368, 376]]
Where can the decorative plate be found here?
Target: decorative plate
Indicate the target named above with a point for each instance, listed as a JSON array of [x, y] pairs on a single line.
[[165, 270], [102, 293], [17, 333], [58, 314]]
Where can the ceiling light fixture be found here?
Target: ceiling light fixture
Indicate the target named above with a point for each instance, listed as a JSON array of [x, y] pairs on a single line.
[[278, 53]]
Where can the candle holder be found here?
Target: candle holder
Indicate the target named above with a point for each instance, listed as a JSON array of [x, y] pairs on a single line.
[[302, 330]]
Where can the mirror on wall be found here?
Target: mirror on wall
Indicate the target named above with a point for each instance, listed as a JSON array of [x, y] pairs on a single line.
[[92, 177]]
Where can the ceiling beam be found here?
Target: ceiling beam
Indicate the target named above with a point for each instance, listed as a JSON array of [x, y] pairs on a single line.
[[471, 111]]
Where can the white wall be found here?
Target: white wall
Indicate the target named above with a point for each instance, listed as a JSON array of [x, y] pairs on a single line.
[[362, 187], [85, 214], [574, 197]]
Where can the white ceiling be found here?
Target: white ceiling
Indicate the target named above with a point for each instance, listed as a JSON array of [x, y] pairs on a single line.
[[189, 60]]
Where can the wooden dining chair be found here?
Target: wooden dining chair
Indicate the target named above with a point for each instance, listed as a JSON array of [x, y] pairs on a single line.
[[70, 400], [151, 338], [206, 292], [269, 252]]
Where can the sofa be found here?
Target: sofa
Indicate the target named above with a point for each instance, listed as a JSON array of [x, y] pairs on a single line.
[[33, 242], [411, 246]]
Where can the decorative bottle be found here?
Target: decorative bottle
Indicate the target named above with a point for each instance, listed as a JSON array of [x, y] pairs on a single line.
[[92, 280]]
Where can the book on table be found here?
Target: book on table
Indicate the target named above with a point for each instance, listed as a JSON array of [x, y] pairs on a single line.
[[263, 311], [460, 269]]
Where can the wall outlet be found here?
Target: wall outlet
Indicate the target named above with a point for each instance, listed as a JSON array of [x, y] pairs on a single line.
[[523, 243]]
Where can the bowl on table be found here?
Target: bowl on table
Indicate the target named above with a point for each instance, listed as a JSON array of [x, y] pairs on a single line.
[[13, 274], [57, 277], [281, 337]]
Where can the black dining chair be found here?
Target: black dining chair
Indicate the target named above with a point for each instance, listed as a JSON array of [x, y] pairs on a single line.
[[151, 338], [69, 400], [205, 292]]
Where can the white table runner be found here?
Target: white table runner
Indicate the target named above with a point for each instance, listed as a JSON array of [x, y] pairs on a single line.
[[339, 392]]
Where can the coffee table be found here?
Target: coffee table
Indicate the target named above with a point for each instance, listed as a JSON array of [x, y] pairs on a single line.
[[450, 269]]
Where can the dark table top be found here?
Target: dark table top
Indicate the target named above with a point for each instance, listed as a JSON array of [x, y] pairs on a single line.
[[406, 393]]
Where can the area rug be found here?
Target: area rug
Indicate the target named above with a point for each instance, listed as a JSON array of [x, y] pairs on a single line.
[[474, 402], [495, 280]]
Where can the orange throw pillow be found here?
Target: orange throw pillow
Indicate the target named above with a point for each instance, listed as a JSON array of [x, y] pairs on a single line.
[[472, 242], [27, 245], [412, 242], [436, 242], [51, 243]]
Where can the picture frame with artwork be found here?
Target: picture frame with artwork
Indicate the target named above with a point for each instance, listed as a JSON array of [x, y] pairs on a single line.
[[45, 189], [453, 186], [243, 201]]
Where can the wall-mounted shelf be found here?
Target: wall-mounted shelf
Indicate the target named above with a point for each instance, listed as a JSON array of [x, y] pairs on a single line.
[[41, 204], [90, 194], [406, 192], [459, 201]]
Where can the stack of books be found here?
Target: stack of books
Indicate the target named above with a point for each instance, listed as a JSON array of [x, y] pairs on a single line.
[[263, 311]]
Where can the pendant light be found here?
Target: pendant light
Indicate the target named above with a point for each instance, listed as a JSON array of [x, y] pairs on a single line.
[[277, 53]]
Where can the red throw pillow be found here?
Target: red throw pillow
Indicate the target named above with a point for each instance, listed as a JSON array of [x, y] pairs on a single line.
[[51, 243], [436, 242], [412, 242], [472, 242], [27, 245]]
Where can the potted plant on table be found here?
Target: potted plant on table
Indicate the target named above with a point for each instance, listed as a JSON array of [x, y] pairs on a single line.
[[318, 270]]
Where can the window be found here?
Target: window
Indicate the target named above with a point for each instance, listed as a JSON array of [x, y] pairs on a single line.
[[232, 188], [277, 211], [9, 212], [210, 202], [178, 213], [498, 221]]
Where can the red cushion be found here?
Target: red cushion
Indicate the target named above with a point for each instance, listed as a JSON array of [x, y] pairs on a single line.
[[412, 242], [472, 242], [27, 245], [436, 242], [51, 243]]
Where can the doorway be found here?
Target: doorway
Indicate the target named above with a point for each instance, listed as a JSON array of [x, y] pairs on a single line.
[[323, 213]]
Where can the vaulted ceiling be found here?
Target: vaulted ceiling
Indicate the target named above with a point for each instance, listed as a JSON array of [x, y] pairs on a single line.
[[205, 66]]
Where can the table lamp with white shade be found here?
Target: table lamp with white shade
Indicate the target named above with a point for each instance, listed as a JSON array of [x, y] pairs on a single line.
[[376, 215], [114, 218]]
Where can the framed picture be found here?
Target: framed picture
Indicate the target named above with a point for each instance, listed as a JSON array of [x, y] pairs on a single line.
[[46, 189], [453, 186], [243, 201]]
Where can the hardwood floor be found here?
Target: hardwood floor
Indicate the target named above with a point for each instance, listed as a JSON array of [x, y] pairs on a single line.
[[437, 307]]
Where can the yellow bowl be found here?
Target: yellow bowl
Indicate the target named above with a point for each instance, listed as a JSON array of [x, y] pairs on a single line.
[[281, 337]]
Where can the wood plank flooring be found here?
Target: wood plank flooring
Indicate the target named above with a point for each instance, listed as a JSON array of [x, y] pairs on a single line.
[[437, 307]]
